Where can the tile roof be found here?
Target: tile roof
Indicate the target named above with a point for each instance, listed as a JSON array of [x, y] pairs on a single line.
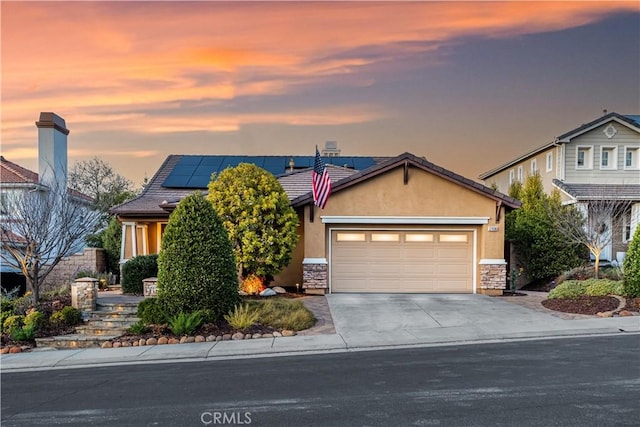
[[298, 183], [600, 191], [420, 163], [12, 173]]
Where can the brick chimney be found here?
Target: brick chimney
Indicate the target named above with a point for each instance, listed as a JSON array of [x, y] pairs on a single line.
[[52, 150]]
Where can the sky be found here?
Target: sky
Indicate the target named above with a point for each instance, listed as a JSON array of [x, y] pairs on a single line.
[[468, 85]]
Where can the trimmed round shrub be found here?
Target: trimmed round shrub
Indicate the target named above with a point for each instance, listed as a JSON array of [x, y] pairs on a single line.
[[35, 320], [631, 285], [603, 287], [196, 266], [136, 270], [68, 316], [569, 289], [150, 311]]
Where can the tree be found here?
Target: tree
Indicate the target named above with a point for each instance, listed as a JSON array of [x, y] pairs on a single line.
[[196, 268], [43, 226], [540, 249], [111, 240], [97, 179], [631, 284], [591, 224], [256, 212]]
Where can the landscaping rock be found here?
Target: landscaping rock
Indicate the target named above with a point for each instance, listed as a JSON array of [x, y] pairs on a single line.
[[279, 290], [237, 336], [625, 313], [163, 340], [152, 341], [248, 336], [288, 333], [211, 338], [4, 350], [267, 335], [256, 336], [183, 340], [142, 342], [242, 293], [219, 338], [106, 344], [604, 314], [200, 338], [136, 343], [277, 334], [268, 293], [174, 341], [226, 337], [190, 339], [117, 344], [15, 349], [126, 344]]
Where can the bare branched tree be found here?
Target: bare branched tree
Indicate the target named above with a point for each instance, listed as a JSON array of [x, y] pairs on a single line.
[[43, 225], [591, 224], [97, 179]]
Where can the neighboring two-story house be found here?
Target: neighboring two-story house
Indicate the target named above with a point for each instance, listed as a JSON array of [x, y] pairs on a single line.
[[17, 181], [597, 160]]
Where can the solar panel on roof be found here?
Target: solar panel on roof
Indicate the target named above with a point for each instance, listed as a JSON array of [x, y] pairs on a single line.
[[190, 160], [199, 181], [176, 181], [210, 160]]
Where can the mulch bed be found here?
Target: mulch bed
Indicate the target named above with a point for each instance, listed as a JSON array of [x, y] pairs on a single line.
[[582, 305]]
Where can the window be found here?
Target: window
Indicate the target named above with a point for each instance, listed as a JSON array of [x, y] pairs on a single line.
[[584, 158], [608, 157], [416, 237], [631, 160], [549, 162], [457, 238], [512, 175], [626, 228], [534, 166], [350, 237], [520, 174], [385, 237]]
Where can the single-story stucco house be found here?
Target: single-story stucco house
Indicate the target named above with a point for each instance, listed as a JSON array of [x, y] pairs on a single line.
[[399, 224]]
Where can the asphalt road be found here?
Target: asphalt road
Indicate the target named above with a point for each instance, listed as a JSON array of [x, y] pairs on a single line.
[[592, 381]]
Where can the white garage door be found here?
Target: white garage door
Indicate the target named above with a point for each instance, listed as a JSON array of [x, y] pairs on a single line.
[[401, 261]]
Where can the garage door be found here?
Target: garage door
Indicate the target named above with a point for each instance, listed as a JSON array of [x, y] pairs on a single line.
[[401, 261]]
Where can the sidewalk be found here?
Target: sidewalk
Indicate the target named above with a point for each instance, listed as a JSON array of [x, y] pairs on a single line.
[[495, 320]]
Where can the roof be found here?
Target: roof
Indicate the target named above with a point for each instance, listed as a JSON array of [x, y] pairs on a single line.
[[412, 160], [632, 121], [13, 173], [600, 191], [298, 183], [195, 171]]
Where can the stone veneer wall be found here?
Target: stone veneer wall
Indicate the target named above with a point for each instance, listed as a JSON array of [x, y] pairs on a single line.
[[84, 294], [314, 278], [493, 278], [91, 259]]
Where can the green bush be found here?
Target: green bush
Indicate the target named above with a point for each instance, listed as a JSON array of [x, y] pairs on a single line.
[[603, 287], [71, 315], [12, 323], [186, 323], [631, 286], [136, 270], [138, 328], [151, 312], [569, 289], [242, 317], [196, 267], [23, 334], [35, 320]]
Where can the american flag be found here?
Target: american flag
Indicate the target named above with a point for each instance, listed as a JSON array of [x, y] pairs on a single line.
[[321, 182]]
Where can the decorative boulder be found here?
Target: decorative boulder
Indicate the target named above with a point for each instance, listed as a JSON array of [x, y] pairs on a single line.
[[268, 293], [279, 290]]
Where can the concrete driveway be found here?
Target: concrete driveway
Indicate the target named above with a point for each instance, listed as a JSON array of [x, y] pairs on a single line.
[[405, 319]]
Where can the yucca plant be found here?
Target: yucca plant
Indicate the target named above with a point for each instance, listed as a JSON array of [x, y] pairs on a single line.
[[186, 323], [137, 328], [242, 317]]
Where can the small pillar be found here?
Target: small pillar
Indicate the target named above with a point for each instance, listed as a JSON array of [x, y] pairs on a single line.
[[314, 276], [150, 287], [84, 293]]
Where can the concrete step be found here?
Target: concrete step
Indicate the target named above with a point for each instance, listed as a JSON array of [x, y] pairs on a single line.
[[126, 307], [107, 315], [112, 322], [73, 341], [89, 330]]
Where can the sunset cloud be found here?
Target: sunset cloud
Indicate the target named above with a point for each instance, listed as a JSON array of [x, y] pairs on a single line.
[[169, 67]]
